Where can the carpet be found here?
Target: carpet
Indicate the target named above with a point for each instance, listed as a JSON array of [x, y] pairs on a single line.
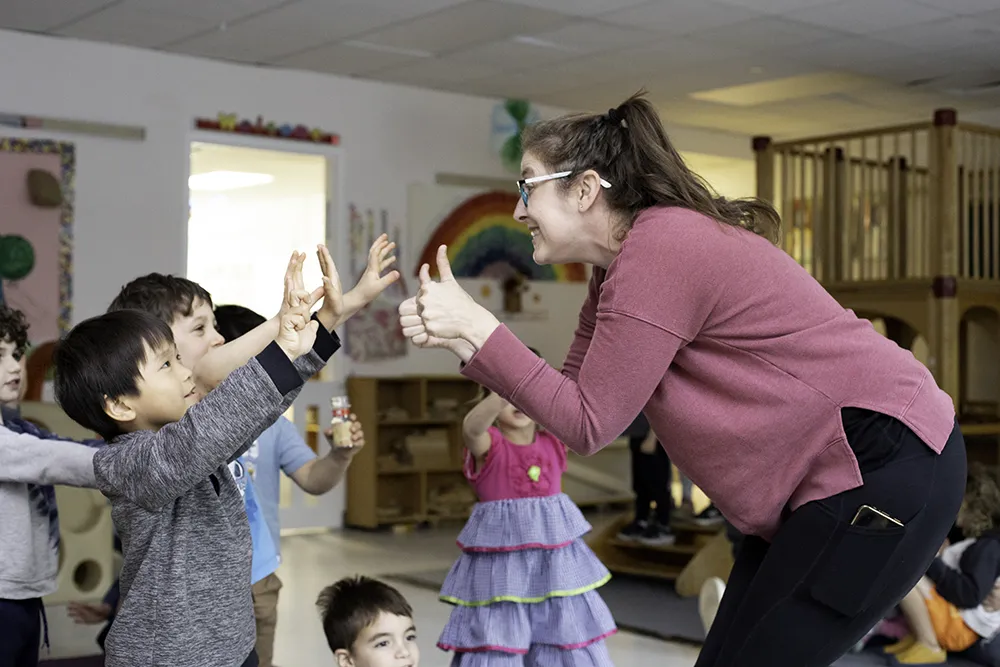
[[652, 608]]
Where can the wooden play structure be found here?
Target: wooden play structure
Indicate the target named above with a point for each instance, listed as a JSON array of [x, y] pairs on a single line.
[[901, 225]]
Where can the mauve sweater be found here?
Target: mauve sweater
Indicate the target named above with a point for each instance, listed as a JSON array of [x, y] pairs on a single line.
[[740, 360]]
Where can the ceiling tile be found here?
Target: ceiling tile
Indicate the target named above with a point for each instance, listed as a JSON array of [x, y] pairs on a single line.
[[344, 59], [774, 6], [294, 27], [961, 6], [592, 97], [680, 17], [940, 36], [578, 7], [594, 37], [464, 25], [512, 55], [864, 16], [436, 72], [217, 11], [123, 24], [765, 33], [43, 15], [847, 52]]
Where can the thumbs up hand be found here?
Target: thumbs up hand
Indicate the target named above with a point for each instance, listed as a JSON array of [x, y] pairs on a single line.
[[447, 311]]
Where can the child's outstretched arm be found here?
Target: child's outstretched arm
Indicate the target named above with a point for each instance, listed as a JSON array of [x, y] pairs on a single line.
[[154, 468], [475, 426], [967, 587], [28, 459], [218, 363]]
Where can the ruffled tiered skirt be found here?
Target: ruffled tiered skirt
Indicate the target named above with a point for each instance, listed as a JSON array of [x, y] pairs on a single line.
[[525, 588]]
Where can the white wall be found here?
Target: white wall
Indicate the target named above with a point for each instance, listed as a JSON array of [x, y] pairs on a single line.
[[131, 196]]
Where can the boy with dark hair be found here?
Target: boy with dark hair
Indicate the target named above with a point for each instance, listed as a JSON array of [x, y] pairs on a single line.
[[185, 578], [31, 461], [368, 624]]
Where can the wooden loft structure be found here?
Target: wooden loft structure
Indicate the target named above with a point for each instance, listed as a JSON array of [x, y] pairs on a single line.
[[902, 224]]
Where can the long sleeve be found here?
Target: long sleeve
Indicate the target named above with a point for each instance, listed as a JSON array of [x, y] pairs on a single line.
[[152, 469], [29, 459], [585, 327], [615, 381], [327, 343], [654, 299], [967, 587]]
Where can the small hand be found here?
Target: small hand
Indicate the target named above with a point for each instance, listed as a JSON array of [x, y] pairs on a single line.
[[331, 313], [446, 309], [357, 440], [372, 282], [413, 328], [648, 445], [85, 613], [295, 283], [296, 331]]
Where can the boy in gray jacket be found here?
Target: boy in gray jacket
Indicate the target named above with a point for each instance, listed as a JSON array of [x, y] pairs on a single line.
[[185, 579]]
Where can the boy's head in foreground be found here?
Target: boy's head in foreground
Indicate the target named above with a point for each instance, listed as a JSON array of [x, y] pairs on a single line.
[[184, 305], [13, 345], [120, 372], [368, 624]]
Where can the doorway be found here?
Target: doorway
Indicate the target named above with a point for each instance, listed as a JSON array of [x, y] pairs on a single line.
[[249, 207]]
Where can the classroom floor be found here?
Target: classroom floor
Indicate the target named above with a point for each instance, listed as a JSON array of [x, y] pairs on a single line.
[[313, 561]]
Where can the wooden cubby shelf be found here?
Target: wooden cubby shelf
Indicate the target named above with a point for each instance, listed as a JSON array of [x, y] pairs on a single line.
[[410, 471]]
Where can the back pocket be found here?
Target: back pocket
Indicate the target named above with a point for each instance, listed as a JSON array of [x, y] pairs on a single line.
[[849, 578]]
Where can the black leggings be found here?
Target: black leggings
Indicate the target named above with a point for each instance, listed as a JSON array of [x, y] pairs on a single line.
[[806, 598], [651, 479]]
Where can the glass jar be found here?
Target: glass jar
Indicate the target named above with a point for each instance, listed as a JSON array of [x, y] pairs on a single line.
[[340, 422]]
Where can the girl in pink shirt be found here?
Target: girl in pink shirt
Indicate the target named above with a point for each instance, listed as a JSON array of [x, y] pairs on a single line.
[[525, 586], [825, 443]]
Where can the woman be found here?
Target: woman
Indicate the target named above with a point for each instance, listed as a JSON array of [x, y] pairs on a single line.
[[827, 444]]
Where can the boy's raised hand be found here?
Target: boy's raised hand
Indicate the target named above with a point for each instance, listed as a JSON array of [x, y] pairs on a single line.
[[372, 282], [339, 307], [296, 331], [295, 283]]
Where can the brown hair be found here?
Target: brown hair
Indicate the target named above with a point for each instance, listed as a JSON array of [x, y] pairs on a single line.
[[352, 604], [630, 149], [981, 509]]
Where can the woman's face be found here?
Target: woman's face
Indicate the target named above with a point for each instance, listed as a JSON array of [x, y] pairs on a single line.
[[558, 221]]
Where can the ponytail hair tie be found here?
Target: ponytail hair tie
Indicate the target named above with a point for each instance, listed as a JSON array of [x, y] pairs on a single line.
[[616, 118]]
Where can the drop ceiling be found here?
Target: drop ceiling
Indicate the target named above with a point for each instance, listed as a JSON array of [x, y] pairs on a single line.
[[779, 67]]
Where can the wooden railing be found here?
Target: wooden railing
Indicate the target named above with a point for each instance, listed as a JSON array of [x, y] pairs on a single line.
[[891, 204]]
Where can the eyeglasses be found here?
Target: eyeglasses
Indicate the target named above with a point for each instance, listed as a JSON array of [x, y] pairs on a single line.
[[522, 184]]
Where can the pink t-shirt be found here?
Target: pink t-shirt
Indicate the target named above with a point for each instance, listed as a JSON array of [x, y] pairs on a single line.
[[518, 471], [740, 360]]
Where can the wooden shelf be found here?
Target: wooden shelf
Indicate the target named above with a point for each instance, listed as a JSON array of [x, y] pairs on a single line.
[[433, 442]]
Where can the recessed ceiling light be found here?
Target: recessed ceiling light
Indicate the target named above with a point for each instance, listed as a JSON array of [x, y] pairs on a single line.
[[218, 181]]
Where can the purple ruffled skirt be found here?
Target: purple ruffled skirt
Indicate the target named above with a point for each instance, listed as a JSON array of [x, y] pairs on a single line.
[[525, 588]]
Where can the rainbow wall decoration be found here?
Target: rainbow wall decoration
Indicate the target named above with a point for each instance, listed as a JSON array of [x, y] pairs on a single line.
[[485, 241]]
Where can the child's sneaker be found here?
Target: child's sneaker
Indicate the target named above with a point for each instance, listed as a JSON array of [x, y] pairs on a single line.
[[710, 516], [709, 600], [921, 654], [904, 644], [657, 535], [633, 531]]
